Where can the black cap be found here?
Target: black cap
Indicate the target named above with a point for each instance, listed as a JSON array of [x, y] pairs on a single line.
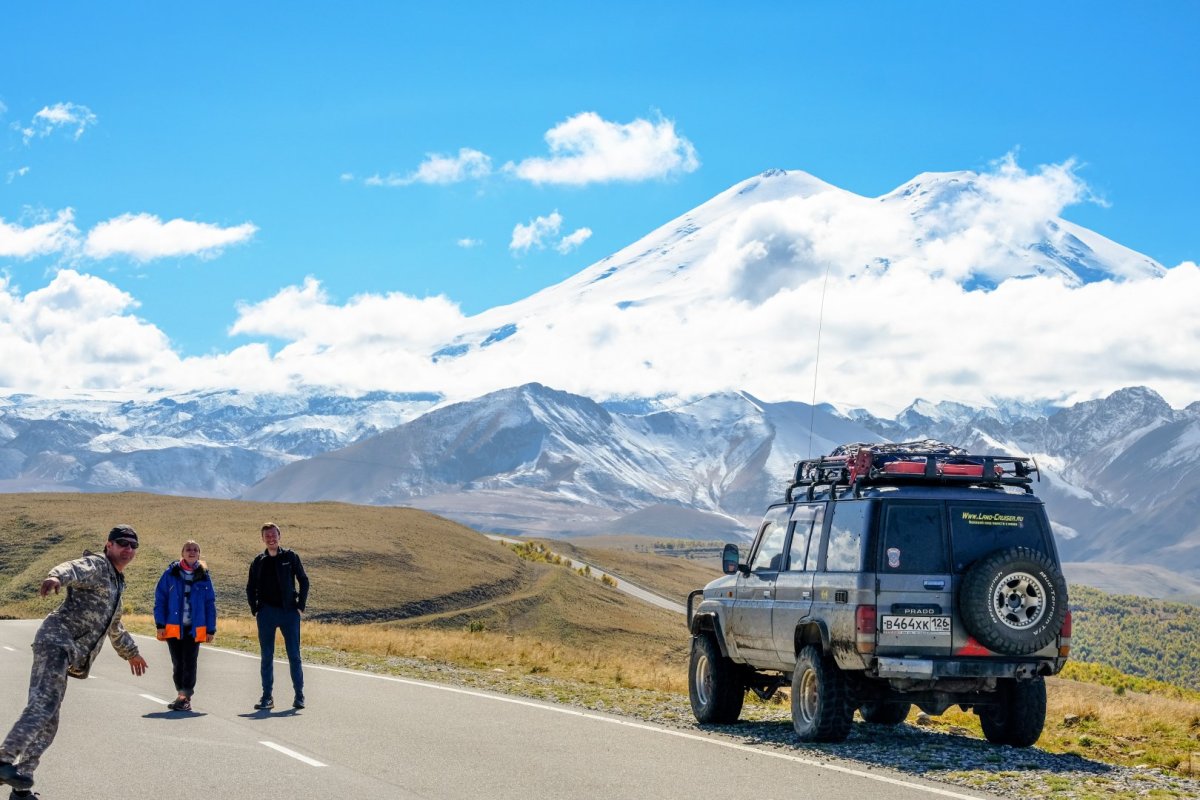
[[122, 532]]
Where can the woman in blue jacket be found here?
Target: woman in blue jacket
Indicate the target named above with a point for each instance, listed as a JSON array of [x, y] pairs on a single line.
[[185, 612]]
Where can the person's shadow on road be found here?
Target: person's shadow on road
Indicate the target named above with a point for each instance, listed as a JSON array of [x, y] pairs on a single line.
[[173, 714]]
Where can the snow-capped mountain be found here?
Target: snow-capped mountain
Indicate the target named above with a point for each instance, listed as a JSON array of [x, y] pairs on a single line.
[[531, 448], [1120, 475], [783, 229], [203, 444]]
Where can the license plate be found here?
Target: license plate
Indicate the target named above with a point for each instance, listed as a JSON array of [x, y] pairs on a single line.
[[892, 624]]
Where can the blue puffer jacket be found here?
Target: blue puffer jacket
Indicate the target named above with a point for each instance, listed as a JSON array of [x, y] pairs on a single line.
[[168, 604]]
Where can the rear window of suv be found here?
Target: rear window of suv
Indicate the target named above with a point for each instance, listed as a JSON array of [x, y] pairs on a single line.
[[913, 541], [977, 529]]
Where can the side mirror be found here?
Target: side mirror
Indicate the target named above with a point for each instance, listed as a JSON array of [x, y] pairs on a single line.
[[729, 559]]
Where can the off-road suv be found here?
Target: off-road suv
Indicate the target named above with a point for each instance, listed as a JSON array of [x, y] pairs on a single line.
[[890, 575]]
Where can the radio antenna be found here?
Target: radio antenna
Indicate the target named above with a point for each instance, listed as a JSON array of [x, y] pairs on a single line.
[[812, 417]]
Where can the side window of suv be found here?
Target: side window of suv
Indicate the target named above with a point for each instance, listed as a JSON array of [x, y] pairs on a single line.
[[768, 556], [913, 539], [847, 533], [808, 519]]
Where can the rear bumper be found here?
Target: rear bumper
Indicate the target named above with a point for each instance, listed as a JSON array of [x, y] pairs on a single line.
[[933, 668]]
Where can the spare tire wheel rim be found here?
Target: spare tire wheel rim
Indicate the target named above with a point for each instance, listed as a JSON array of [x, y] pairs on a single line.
[[1020, 600]]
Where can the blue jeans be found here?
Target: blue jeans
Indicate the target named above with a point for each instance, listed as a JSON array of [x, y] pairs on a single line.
[[270, 619]]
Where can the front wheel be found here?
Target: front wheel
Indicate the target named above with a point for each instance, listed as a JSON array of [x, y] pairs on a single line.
[[715, 688], [821, 709], [1018, 716]]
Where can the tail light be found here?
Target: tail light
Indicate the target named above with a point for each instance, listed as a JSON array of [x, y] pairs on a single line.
[[864, 628], [1064, 636]]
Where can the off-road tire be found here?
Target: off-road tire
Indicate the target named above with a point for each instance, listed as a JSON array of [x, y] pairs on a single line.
[[879, 713], [1019, 715], [821, 707], [1014, 601], [715, 685]]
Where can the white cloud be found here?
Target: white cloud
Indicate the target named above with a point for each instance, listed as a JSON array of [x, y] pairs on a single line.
[[145, 237], [467, 243], [42, 238], [535, 233], [80, 333], [588, 149], [346, 177], [741, 309], [20, 172], [573, 240], [441, 169], [59, 115]]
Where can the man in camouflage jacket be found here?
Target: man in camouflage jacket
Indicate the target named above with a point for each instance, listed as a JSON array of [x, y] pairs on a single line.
[[66, 644]]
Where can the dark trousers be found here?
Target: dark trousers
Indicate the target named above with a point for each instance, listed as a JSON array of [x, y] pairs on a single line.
[[271, 619], [35, 729], [184, 652]]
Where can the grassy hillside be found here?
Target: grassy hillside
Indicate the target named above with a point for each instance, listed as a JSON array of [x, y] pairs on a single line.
[[367, 564], [1143, 638]]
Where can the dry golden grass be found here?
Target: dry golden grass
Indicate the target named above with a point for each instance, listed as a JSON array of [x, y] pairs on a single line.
[[408, 567], [360, 558]]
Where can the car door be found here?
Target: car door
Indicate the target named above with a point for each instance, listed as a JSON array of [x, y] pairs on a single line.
[[793, 586], [754, 595], [915, 606]]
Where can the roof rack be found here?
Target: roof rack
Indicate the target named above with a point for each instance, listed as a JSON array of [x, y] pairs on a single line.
[[853, 466]]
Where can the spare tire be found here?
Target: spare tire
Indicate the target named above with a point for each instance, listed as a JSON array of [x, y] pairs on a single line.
[[1014, 601]]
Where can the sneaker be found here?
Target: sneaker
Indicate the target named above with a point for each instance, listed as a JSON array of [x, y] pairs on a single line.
[[299, 701], [265, 704], [23, 793], [9, 775], [180, 704]]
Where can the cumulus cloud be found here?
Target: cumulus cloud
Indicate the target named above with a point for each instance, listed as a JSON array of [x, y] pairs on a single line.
[[467, 243], [145, 237], [60, 115], [573, 240], [80, 333], [589, 149], [734, 304], [41, 238], [441, 169], [535, 233]]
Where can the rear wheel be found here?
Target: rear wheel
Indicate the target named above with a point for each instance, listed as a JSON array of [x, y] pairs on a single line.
[[878, 713], [1018, 716], [821, 709], [715, 686]]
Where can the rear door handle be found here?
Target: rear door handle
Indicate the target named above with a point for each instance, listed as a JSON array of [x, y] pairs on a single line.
[[935, 586]]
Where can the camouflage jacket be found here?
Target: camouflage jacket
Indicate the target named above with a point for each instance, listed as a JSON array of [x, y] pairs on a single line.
[[91, 610]]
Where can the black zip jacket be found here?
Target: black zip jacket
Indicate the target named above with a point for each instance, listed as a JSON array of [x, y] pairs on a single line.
[[289, 571]]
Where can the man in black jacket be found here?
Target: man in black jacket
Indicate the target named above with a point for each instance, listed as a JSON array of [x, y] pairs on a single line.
[[276, 603]]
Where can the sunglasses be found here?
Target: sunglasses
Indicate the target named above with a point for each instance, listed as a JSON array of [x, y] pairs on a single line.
[[130, 543]]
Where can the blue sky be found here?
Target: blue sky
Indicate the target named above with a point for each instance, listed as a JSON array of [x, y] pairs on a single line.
[[264, 127]]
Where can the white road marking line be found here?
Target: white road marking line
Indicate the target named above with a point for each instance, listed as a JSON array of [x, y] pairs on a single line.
[[154, 699], [312, 762], [9, 649]]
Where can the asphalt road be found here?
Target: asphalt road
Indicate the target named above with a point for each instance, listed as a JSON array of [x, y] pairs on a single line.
[[369, 736]]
